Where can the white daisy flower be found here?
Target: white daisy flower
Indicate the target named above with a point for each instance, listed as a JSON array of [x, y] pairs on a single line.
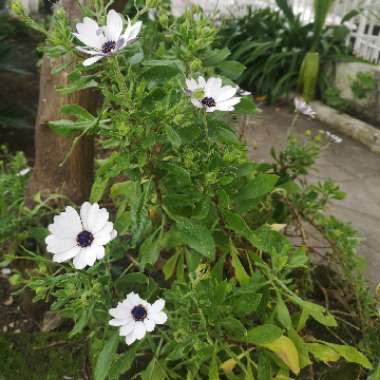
[[304, 108], [107, 40], [81, 238], [23, 172], [212, 95], [136, 317]]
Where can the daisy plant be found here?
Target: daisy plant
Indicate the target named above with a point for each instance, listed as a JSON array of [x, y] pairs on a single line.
[[196, 220]]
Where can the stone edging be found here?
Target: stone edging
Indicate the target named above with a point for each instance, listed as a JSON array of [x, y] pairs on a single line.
[[357, 129]]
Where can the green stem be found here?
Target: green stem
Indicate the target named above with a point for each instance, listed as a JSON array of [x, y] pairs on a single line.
[[120, 79], [294, 122]]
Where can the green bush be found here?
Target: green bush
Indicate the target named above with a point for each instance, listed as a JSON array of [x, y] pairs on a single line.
[[200, 224]]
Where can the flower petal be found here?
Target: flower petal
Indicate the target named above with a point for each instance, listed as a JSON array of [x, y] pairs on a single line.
[[139, 330], [67, 224], [119, 322], [131, 338], [55, 244], [225, 93], [158, 305], [127, 329], [160, 318], [80, 260], [114, 25], [65, 256], [93, 217], [149, 324], [92, 60], [227, 105]]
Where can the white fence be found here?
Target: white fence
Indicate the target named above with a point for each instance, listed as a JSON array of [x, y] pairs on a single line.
[[365, 28]]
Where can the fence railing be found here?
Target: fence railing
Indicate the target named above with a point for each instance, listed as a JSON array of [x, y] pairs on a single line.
[[365, 28]]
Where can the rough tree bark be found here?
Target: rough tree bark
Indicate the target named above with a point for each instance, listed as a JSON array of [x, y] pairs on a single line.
[[75, 177]]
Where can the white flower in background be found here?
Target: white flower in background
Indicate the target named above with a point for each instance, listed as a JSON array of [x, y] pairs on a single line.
[[23, 172], [334, 138], [212, 95], [81, 238], [304, 108], [136, 317], [107, 40], [6, 272]]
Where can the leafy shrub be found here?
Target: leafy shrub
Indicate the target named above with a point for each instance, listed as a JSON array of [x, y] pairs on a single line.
[[363, 84], [197, 222], [273, 44]]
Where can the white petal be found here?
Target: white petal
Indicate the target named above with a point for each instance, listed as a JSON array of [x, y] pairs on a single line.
[[80, 260], [158, 305], [55, 244], [213, 87], [191, 84], [87, 51], [139, 330], [93, 217], [105, 235], [127, 329], [114, 25], [225, 93], [202, 82], [64, 256], [160, 318], [99, 251], [90, 254], [92, 60], [120, 312], [211, 109], [131, 338], [149, 324], [227, 105], [134, 299], [67, 224], [131, 32], [119, 322]]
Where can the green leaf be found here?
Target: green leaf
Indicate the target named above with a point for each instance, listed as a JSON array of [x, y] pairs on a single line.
[[322, 352], [261, 185], [285, 349], [98, 188], [78, 111], [154, 371], [351, 354], [197, 237], [169, 266], [173, 136], [216, 56], [283, 313], [80, 324], [246, 106], [213, 372], [263, 334], [122, 364], [318, 312], [240, 272], [231, 69], [150, 250], [106, 357]]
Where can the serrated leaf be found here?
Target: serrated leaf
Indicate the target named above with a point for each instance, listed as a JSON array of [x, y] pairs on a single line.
[[231, 69]]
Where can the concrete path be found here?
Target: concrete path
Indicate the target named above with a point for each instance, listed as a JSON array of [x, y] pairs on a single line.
[[350, 164]]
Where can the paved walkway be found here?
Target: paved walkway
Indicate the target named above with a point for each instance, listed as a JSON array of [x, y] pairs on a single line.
[[350, 164]]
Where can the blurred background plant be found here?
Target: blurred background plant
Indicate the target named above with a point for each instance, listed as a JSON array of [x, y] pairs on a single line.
[[282, 54]]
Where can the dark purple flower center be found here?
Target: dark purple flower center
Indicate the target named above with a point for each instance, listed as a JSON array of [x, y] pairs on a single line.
[[208, 102], [139, 313], [108, 47], [84, 239]]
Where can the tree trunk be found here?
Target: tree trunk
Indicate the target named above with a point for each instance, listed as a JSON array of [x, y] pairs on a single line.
[[74, 178]]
